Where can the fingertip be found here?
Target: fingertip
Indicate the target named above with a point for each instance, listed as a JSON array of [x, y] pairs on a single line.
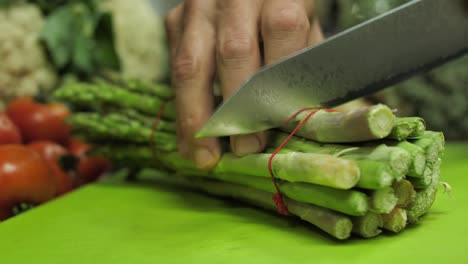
[[205, 158], [248, 144]]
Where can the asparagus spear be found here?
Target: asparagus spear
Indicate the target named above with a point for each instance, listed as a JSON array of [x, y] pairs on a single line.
[[134, 85], [363, 124], [146, 120], [373, 174], [397, 158], [406, 127], [395, 221], [319, 169], [100, 97], [367, 226], [404, 191], [424, 181], [335, 224], [118, 127]]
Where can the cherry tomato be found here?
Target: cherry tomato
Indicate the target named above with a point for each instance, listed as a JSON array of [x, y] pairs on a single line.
[[52, 152], [9, 133], [89, 167], [25, 177], [39, 121]]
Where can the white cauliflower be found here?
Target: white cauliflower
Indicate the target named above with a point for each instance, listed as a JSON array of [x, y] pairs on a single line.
[[24, 68], [139, 39]]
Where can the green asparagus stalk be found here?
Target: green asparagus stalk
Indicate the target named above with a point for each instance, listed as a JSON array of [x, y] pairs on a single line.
[[405, 192], [383, 200], [374, 122], [367, 226], [424, 198], [335, 224], [347, 201], [157, 89], [313, 168], [146, 120], [395, 221], [407, 127], [397, 158], [134, 85], [100, 97]]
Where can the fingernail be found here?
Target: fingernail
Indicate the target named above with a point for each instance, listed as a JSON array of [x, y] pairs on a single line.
[[248, 144], [203, 158]]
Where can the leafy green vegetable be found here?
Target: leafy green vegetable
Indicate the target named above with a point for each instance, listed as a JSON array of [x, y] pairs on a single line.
[[79, 38]]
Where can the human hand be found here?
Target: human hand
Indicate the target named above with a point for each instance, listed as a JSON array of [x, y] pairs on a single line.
[[228, 39]]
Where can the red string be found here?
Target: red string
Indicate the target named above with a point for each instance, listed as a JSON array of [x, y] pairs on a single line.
[[278, 197], [155, 125]]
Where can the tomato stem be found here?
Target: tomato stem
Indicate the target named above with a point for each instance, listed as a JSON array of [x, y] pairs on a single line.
[[21, 208]]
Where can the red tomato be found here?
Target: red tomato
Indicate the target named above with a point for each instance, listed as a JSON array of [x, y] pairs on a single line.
[[38, 121], [24, 178], [89, 167], [9, 133], [52, 152]]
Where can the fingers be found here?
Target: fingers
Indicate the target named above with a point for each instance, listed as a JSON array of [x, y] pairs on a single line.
[[315, 31], [173, 27], [238, 56], [285, 28], [192, 76]]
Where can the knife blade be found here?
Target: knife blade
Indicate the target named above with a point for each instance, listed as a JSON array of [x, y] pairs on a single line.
[[382, 51]]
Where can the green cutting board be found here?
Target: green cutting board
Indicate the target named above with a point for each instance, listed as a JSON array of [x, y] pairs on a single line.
[[144, 223]]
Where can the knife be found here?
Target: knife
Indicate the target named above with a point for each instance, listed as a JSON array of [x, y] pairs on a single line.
[[373, 55]]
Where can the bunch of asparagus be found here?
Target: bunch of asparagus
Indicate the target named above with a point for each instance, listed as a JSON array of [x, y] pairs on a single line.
[[358, 172]]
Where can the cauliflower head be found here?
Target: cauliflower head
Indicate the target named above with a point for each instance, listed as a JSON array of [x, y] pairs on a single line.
[[24, 68], [139, 39]]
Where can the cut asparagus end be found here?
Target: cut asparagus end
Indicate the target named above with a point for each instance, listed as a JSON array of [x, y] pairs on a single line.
[[374, 174], [367, 226], [418, 156], [383, 200], [407, 127], [405, 192], [424, 181], [424, 199], [395, 221], [381, 121]]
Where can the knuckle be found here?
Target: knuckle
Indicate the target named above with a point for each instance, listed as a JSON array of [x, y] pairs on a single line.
[[189, 123], [236, 46], [289, 17], [185, 67]]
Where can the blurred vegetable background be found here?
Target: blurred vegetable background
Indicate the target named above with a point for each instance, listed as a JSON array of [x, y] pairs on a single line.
[[44, 44]]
